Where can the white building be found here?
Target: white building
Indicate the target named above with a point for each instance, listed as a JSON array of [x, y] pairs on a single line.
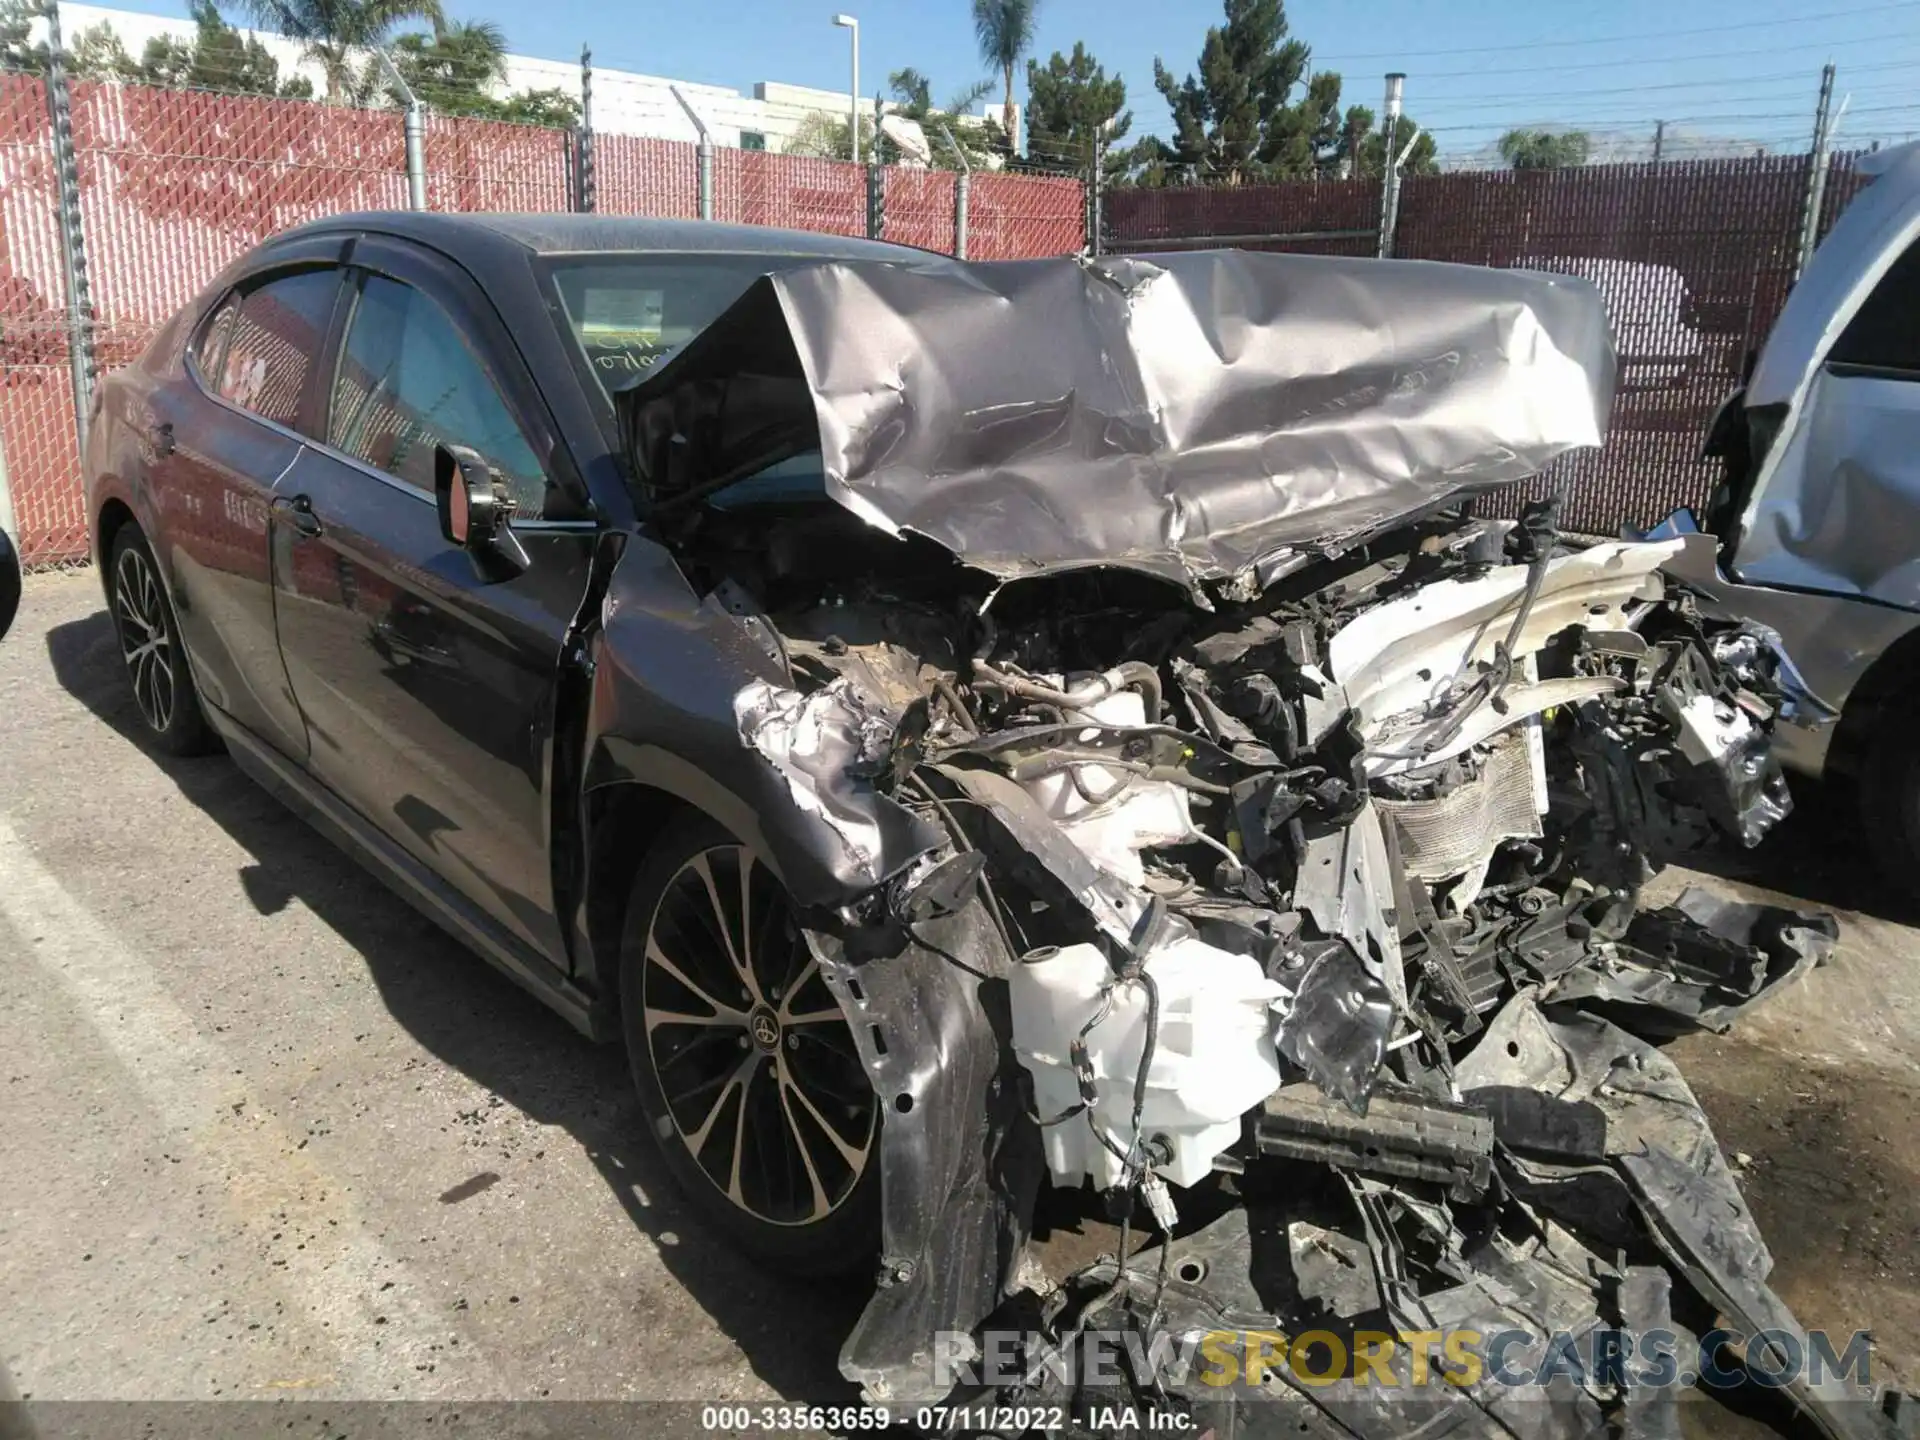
[[624, 102]]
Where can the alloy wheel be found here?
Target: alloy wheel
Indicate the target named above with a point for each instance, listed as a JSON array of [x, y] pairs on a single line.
[[145, 641], [754, 1057]]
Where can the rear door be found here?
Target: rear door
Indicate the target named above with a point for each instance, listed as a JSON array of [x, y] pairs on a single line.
[[428, 692], [1841, 505], [218, 439]]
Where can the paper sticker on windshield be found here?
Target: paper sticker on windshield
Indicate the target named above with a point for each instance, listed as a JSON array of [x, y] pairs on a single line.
[[624, 317]]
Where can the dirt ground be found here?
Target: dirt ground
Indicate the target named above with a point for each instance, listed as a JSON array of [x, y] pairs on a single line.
[[265, 1132]]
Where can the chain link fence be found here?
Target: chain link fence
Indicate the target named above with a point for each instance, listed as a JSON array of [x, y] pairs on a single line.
[[172, 185]]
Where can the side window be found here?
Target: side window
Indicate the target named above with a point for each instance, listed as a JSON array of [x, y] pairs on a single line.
[[271, 338], [1885, 334], [210, 345], [408, 382]]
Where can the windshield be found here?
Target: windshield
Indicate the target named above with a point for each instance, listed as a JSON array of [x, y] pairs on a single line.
[[626, 312]]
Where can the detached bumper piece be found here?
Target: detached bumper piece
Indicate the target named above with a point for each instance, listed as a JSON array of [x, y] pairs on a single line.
[[1405, 1136], [1542, 1259]]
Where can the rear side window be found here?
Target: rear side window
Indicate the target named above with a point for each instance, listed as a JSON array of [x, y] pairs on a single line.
[[1885, 335], [267, 343], [210, 347]]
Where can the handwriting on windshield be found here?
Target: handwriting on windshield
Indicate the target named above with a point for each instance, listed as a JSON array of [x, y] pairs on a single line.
[[629, 360]]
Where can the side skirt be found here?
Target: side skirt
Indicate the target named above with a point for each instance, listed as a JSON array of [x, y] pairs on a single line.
[[411, 880]]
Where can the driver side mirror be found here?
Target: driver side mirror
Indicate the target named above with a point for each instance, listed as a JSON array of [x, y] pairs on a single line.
[[475, 511]]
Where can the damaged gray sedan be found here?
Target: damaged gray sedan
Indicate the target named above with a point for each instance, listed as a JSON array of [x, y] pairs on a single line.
[[968, 729], [1199, 804]]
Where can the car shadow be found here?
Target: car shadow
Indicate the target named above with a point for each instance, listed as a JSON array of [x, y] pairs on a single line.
[[1819, 855], [479, 1022]]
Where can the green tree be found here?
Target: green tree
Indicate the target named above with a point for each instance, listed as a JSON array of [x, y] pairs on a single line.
[[1364, 149], [552, 106], [1238, 118], [332, 30], [98, 53], [454, 68], [1526, 149], [218, 57], [826, 137], [913, 99], [1004, 29], [18, 51], [1071, 103]]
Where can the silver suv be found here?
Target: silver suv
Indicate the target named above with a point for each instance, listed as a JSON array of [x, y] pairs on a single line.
[[1820, 506]]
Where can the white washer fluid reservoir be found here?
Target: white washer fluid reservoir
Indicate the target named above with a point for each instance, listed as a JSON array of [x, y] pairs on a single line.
[[1213, 1057]]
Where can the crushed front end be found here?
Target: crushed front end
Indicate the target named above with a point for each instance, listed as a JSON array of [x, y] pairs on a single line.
[[1276, 880]]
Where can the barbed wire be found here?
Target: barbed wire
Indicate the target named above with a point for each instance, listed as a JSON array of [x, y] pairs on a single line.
[[1626, 38]]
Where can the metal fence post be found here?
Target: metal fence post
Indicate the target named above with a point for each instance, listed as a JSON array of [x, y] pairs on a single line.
[[416, 156], [1096, 205], [962, 194], [703, 154], [415, 130], [73, 246], [1817, 176], [584, 196], [1389, 172], [876, 200]]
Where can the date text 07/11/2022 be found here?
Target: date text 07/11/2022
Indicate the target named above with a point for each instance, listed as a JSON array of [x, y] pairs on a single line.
[[1118, 1419]]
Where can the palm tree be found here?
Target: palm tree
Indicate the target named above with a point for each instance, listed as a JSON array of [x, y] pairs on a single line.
[[1005, 31], [333, 29], [453, 68]]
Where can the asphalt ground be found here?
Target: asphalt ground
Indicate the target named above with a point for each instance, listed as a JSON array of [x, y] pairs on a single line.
[[267, 1134]]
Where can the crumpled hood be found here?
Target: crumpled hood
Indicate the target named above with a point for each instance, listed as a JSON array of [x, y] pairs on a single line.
[[1198, 416]]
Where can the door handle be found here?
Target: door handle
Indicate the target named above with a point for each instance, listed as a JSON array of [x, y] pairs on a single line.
[[161, 437], [297, 511]]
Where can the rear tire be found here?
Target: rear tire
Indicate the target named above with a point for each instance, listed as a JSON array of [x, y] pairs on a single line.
[[744, 1062], [1889, 797], [150, 647]]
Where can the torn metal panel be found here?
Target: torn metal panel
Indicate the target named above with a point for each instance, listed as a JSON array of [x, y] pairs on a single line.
[[830, 746], [1189, 415], [959, 1168], [1833, 641]]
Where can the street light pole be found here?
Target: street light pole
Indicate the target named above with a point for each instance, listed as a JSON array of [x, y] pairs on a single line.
[[848, 23]]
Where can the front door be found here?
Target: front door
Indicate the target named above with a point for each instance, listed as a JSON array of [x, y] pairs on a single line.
[[428, 691]]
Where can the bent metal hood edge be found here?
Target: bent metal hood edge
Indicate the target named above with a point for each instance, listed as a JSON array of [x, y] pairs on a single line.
[[1197, 416]]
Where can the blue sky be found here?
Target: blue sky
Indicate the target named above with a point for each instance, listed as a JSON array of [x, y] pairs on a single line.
[[1746, 69]]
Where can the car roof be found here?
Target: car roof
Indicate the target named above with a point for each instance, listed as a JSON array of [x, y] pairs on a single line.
[[560, 234]]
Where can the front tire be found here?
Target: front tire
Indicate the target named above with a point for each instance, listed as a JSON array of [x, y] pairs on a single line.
[[156, 661], [744, 1062]]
